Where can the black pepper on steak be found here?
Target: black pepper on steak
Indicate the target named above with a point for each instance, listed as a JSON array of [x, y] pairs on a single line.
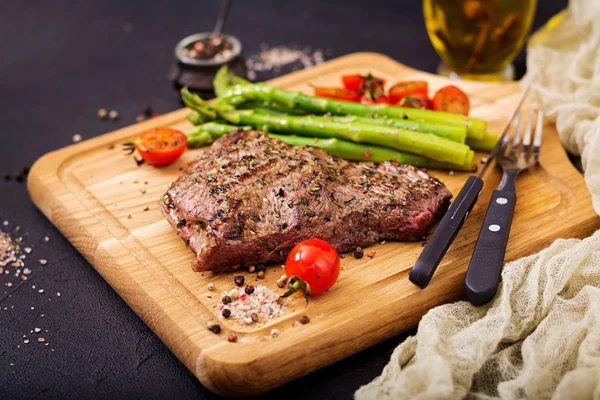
[[249, 199]]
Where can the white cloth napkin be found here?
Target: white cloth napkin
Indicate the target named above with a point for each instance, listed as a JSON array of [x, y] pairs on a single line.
[[540, 336]]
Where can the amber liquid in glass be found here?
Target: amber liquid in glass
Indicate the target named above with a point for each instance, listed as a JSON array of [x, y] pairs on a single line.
[[478, 39]]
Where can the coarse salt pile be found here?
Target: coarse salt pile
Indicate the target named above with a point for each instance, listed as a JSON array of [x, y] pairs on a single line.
[[277, 57], [10, 252], [260, 306]]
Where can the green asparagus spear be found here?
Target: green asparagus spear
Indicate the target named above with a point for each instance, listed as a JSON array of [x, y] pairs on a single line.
[[320, 105], [363, 152], [273, 109], [486, 143], [456, 133], [195, 118], [224, 81], [428, 145], [206, 133]]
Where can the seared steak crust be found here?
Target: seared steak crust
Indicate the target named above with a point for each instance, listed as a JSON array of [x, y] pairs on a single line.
[[249, 199]]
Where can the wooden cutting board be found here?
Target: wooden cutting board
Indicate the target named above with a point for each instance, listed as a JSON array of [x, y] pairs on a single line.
[[97, 197]]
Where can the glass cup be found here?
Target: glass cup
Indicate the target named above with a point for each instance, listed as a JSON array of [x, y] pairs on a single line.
[[478, 39]]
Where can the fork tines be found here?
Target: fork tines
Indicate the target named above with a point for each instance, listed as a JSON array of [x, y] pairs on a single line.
[[522, 141]]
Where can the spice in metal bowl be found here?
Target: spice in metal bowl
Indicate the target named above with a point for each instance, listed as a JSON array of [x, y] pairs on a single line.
[[217, 48]]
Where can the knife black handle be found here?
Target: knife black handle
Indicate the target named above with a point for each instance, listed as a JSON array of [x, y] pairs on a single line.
[[440, 241], [483, 275]]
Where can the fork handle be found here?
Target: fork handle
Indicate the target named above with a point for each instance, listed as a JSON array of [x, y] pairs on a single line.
[[483, 275]]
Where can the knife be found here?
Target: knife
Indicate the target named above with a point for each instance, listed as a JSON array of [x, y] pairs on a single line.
[[457, 213]]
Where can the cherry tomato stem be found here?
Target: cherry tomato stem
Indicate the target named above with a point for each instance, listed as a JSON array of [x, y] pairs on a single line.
[[294, 284]]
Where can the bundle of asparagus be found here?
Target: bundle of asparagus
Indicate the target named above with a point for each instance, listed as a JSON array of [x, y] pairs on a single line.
[[354, 131]]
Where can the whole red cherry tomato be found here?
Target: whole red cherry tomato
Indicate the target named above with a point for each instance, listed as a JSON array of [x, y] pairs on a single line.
[[317, 265]]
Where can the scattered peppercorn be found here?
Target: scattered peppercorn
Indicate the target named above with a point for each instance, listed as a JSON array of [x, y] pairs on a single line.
[[25, 170], [111, 146], [211, 286], [77, 138], [232, 338], [239, 280], [234, 294], [113, 115], [261, 267], [214, 327], [7, 177], [139, 118], [146, 208], [226, 299], [282, 281], [249, 289], [358, 253], [146, 110], [254, 317], [226, 313], [19, 176], [251, 268], [102, 113], [371, 254], [274, 333], [261, 274], [304, 319]]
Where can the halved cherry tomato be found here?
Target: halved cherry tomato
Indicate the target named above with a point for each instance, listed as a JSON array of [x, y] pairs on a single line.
[[352, 82], [414, 101], [363, 84], [337, 93], [383, 99], [161, 146], [408, 88], [316, 263], [451, 99]]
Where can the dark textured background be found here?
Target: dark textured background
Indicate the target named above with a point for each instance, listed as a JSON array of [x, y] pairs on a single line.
[[61, 61]]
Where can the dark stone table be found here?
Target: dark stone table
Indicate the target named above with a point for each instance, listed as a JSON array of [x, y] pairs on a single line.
[[61, 62]]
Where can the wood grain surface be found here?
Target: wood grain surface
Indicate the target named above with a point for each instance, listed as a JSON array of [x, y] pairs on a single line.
[[97, 197]]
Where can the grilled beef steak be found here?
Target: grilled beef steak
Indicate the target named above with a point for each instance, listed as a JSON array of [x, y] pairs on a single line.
[[249, 199]]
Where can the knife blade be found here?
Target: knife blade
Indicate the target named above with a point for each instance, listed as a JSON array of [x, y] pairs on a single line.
[[457, 213]]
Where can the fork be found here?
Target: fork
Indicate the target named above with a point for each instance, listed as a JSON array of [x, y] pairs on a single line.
[[483, 275]]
